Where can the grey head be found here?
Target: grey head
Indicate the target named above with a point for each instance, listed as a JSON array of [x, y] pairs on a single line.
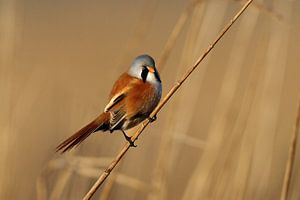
[[143, 67]]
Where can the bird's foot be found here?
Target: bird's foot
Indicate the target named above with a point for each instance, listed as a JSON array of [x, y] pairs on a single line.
[[152, 119], [128, 138], [131, 143]]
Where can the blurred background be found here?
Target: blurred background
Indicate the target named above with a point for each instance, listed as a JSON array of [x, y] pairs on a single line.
[[224, 135]]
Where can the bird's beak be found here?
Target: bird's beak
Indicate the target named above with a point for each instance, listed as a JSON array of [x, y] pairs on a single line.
[[151, 69]]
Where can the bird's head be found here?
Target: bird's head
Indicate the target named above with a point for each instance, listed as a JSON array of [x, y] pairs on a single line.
[[143, 67]]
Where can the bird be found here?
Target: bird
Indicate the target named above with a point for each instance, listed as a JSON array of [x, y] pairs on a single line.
[[133, 97]]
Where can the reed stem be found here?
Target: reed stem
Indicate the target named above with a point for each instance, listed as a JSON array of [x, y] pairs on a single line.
[[176, 86], [291, 158]]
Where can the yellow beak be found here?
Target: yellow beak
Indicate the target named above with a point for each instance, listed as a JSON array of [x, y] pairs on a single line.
[[151, 69]]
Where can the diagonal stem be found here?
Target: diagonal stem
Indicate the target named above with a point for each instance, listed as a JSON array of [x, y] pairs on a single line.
[[176, 86], [291, 158]]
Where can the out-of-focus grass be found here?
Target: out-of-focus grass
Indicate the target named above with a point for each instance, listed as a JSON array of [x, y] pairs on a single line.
[[225, 134]]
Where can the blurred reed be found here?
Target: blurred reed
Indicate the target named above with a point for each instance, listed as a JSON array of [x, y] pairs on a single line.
[[171, 92], [269, 10], [9, 38], [228, 123], [139, 34], [291, 158], [83, 166], [177, 29]]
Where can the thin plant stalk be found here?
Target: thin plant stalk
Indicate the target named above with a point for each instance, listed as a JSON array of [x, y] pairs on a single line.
[[176, 86], [175, 33], [291, 158]]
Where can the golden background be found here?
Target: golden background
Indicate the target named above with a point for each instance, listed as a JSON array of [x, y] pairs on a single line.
[[224, 135]]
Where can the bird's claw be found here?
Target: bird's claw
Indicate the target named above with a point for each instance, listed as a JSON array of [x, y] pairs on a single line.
[[131, 143], [152, 119], [128, 138]]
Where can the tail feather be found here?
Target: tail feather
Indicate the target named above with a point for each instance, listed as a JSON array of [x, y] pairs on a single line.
[[100, 123]]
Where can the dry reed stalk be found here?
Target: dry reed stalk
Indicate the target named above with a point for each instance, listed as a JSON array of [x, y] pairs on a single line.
[[88, 161], [41, 185], [8, 35], [83, 166], [121, 179], [268, 106], [230, 103], [60, 185], [243, 187], [41, 189], [291, 158], [236, 150], [140, 32], [175, 33], [177, 85], [195, 11], [109, 185], [247, 140], [204, 16], [266, 9], [175, 136], [204, 179]]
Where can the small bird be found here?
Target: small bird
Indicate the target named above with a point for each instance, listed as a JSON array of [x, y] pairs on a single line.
[[132, 99]]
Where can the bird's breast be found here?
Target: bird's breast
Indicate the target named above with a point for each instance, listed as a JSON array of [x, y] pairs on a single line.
[[141, 101]]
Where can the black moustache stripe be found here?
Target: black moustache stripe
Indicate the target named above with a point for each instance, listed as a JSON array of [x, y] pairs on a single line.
[[144, 74]]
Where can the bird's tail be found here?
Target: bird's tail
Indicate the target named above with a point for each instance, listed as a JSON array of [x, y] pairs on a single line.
[[100, 123]]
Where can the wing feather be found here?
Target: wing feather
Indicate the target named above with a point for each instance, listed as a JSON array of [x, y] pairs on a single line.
[[117, 118], [115, 100]]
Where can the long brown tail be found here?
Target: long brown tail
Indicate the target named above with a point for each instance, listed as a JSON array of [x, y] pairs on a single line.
[[100, 123]]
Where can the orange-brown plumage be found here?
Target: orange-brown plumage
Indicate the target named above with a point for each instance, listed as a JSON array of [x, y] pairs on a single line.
[[137, 93], [133, 97]]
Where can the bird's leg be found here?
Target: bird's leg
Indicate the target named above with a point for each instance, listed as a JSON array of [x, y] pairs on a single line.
[[152, 119], [128, 138]]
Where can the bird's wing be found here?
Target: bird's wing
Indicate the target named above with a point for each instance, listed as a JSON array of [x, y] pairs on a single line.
[[117, 118], [115, 100], [117, 110], [118, 92], [118, 95]]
